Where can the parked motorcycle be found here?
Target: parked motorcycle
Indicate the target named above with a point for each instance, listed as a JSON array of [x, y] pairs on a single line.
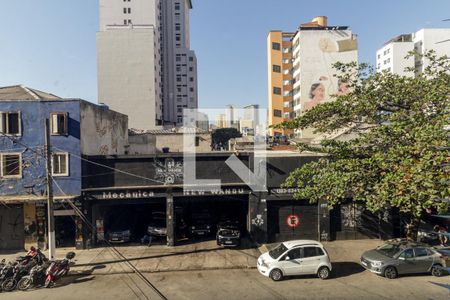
[[19, 271], [58, 269], [34, 279], [21, 268], [6, 272]]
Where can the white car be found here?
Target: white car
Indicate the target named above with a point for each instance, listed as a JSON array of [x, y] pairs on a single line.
[[299, 257]]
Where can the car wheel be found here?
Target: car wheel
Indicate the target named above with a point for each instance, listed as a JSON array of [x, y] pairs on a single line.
[[390, 272], [323, 273], [436, 271], [276, 275]]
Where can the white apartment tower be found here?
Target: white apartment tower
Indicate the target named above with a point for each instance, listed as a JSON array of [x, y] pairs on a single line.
[[392, 56], [145, 67]]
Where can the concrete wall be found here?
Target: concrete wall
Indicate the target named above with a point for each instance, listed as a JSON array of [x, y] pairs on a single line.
[[105, 132], [143, 12], [392, 58], [154, 143], [431, 39], [319, 50], [142, 144], [128, 80]]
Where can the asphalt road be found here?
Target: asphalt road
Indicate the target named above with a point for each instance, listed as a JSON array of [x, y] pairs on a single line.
[[350, 283]]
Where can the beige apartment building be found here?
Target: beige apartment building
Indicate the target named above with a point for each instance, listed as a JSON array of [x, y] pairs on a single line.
[[301, 73]]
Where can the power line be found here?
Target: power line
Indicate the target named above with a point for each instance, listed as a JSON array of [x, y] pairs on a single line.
[[110, 168], [117, 252]]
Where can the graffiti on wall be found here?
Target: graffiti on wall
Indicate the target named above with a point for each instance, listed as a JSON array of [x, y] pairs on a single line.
[[168, 171]]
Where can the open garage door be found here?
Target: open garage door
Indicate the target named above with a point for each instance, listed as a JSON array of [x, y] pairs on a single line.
[[290, 220]]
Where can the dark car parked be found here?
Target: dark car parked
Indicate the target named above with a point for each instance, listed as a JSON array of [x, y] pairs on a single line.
[[400, 256], [228, 234], [201, 224]]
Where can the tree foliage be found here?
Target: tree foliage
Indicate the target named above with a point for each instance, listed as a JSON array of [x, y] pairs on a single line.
[[400, 149]]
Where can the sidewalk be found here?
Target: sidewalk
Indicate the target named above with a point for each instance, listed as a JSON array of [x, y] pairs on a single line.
[[157, 258], [204, 255]]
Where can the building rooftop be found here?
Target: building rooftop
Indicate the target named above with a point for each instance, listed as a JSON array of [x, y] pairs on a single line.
[[400, 39], [21, 92]]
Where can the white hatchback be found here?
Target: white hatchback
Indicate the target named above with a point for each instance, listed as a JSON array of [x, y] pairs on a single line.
[[299, 257]]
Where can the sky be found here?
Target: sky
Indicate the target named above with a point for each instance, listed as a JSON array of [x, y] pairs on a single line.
[[50, 44]]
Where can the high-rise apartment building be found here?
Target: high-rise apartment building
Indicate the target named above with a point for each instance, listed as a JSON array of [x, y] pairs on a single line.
[[145, 67], [300, 69], [394, 55]]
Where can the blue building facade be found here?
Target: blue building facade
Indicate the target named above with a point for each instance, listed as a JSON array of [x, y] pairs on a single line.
[[23, 179]]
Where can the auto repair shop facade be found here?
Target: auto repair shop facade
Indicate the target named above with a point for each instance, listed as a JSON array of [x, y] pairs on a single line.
[[130, 188]]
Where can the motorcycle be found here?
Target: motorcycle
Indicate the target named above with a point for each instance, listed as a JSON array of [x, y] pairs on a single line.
[[19, 271], [35, 278], [22, 268], [6, 272], [58, 269]]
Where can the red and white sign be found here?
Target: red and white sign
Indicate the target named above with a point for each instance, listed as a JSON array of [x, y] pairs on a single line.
[[293, 221]]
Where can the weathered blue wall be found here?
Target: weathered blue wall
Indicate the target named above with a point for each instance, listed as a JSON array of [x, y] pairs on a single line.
[[33, 115]]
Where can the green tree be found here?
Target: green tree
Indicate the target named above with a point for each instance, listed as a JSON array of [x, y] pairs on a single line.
[[398, 155], [221, 136]]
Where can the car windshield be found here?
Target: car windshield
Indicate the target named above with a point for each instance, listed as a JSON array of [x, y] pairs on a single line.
[[228, 232], [389, 250], [276, 252]]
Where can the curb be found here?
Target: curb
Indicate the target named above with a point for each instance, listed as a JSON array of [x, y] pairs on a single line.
[[148, 271]]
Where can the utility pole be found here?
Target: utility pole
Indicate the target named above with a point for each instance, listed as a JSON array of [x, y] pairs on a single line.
[[50, 216]]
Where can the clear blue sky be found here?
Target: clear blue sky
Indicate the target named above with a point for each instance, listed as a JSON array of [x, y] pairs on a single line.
[[50, 44]]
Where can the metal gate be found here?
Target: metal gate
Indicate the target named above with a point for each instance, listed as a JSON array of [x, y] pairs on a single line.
[[290, 220], [11, 227]]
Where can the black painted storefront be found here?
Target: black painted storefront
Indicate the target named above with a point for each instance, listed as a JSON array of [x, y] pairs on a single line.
[[270, 216]]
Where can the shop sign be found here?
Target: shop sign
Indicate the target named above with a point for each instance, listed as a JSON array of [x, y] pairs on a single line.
[[285, 190], [214, 192], [293, 221], [127, 195]]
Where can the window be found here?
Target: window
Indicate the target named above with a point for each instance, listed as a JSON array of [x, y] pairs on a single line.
[[277, 113], [124, 10], [125, 22], [191, 69], [177, 27], [276, 46], [277, 90], [309, 252], [10, 123], [129, 10], [11, 164], [420, 252], [58, 123], [197, 141], [191, 79], [60, 164], [276, 68], [177, 38], [177, 6], [178, 69], [293, 254], [178, 58], [408, 253], [191, 89], [191, 58]]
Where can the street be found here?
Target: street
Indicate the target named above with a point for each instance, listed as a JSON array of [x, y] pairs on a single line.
[[242, 284], [204, 271]]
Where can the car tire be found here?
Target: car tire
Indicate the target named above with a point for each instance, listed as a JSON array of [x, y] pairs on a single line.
[[276, 275], [323, 273], [390, 272], [436, 271]]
